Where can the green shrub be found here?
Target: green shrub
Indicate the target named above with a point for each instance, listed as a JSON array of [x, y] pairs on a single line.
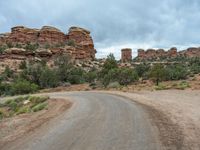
[[39, 107], [1, 115], [13, 105], [23, 110], [8, 73], [183, 85], [31, 47], [47, 46], [115, 85], [127, 76], [23, 65], [91, 76], [5, 89], [176, 72], [2, 49], [158, 73], [48, 78], [71, 43], [36, 100], [142, 69], [76, 76], [10, 45], [161, 87], [23, 87]]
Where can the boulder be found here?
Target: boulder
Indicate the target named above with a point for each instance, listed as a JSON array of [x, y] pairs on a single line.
[[43, 52], [16, 51]]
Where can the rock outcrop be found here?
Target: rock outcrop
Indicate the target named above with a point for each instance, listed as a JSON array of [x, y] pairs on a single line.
[[126, 55], [150, 54], [53, 39], [81, 37], [25, 43], [50, 35]]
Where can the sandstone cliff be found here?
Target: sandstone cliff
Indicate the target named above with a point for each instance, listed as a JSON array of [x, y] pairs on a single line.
[[25, 43], [77, 42]]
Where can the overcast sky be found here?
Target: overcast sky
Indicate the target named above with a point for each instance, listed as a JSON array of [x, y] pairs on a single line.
[[114, 24]]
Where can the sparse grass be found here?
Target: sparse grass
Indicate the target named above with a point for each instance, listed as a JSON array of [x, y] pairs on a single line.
[[183, 85], [161, 87], [39, 107], [21, 105]]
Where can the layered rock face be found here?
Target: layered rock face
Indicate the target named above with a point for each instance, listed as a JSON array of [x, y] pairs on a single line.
[[81, 37], [53, 39], [126, 55], [25, 43], [172, 53], [51, 36]]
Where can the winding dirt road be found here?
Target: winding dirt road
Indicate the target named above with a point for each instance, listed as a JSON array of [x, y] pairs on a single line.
[[96, 121]]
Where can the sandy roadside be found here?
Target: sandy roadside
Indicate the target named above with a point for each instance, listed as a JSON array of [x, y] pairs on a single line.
[[16, 127], [176, 113]]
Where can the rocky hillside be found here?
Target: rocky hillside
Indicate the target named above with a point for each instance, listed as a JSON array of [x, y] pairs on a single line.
[[25, 43], [172, 53]]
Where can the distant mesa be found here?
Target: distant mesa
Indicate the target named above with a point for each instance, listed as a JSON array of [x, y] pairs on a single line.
[[171, 53], [158, 54]]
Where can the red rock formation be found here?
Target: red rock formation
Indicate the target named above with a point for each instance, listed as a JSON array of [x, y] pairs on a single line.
[[52, 38], [50, 35], [22, 35], [126, 55], [45, 43], [81, 37], [192, 52], [173, 52]]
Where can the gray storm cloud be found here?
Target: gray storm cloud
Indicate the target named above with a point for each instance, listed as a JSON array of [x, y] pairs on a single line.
[[114, 23]]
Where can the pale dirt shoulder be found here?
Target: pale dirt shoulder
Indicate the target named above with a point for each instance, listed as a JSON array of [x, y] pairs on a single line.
[[16, 127], [175, 112]]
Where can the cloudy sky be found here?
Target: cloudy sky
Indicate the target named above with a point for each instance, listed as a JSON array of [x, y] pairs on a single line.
[[114, 24]]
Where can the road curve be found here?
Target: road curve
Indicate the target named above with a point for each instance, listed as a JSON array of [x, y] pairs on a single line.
[[96, 121]]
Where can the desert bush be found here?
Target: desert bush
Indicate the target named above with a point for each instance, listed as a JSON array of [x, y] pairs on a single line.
[[36, 100], [18, 106], [161, 87], [64, 67], [115, 85], [5, 89], [183, 85], [194, 65], [76, 76], [2, 48], [1, 114], [127, 76], [23, 65], [176, 72], [71, 43], [48, 78], [23, 110], [31, 47], [7, 73], [142, 69], [9, 45], [23, 87], [158, 73], [91, 76], [39, 107]]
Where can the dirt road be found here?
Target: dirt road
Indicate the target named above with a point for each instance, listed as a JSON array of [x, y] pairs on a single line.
[[96, 121]]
